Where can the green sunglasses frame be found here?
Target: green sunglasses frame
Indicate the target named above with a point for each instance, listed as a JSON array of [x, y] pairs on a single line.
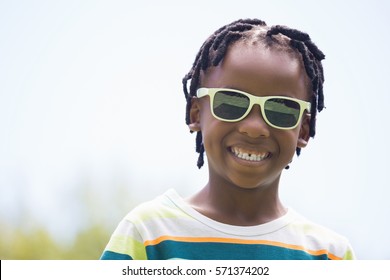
[[260, 100]]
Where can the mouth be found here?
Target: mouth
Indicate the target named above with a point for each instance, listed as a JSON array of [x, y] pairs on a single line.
[[249, 155]]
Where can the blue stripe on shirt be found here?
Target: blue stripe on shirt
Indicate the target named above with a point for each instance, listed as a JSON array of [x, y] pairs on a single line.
[[170, 249]]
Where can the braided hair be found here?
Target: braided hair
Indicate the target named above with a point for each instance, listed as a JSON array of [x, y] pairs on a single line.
[[214, 50]]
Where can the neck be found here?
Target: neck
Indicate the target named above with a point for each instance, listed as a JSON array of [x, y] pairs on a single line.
[[239, 206]]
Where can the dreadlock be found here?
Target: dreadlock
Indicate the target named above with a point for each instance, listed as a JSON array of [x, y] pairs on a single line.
[[214, 50]]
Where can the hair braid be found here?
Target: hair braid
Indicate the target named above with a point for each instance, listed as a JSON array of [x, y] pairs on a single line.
[[214, 50], [311, 57], [199, 148], [229, 39]]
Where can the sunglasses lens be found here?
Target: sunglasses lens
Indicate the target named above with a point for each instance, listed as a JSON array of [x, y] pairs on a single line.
[[230, 105], [282, 112]]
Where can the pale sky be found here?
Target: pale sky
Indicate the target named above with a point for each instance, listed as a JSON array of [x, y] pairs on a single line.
[[91, 108]]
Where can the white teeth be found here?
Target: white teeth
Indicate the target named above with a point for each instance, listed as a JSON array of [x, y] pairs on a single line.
[[251, 156]]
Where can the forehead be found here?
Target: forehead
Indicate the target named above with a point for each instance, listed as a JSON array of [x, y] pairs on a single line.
[[259, 69]]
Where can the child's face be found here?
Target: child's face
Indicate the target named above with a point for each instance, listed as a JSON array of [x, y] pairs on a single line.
[[260, 72]]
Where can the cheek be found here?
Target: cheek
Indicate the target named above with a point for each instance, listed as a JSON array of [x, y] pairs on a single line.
[[214, 133], [288, 143]]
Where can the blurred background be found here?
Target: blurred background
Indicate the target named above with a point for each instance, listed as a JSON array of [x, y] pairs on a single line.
[[92, 117]]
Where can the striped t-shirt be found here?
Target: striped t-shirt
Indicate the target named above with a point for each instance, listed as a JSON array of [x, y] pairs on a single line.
[[168, 228]]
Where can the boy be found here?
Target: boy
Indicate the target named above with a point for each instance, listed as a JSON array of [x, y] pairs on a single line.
[[252, 100]]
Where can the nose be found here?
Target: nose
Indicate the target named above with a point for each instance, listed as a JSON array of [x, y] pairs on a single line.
[[254, 125]]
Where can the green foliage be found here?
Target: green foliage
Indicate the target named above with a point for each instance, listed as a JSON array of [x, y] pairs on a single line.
[[89, 244], [28, 239], [38, 244]]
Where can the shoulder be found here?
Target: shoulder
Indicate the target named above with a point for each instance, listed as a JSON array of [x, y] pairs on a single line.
[[152, 218], [319, 236], [146, 221], [163, 206]]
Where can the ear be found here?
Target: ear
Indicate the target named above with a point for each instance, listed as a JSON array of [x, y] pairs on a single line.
[[194, 124], [304, 132]]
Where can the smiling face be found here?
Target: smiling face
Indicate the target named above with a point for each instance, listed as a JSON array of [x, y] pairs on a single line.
[[249, 153]]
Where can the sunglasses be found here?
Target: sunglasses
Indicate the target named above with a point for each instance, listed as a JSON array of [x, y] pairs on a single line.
[[232, 105]]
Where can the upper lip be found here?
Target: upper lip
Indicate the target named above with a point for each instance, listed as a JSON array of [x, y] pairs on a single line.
[[249, 148], [254, 146]]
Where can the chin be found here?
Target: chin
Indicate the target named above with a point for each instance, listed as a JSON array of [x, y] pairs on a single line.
[[259, 184], [251, 186]]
